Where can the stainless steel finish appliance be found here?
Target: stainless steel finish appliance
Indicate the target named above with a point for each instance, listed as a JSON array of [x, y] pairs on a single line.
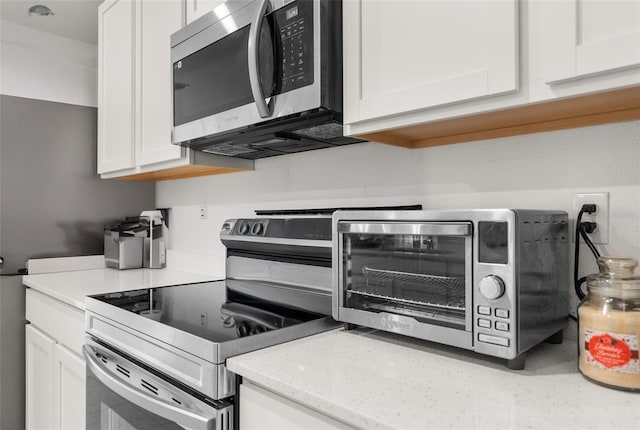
[[258, 78], [156, 357], [491, 281], [154, 255], [123, 245]]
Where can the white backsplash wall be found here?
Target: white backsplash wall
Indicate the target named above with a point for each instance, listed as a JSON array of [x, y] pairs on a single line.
[[536, 171]]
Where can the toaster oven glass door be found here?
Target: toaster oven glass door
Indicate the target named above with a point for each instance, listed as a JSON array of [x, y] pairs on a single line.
[[418, 270]]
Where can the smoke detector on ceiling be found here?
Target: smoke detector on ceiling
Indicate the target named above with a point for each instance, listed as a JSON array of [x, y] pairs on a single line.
[[40, 10]]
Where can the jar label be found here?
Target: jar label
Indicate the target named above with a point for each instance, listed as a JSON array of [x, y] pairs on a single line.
[[612, 351]]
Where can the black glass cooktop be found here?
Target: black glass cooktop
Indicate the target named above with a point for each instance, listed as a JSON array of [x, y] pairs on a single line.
[[208, 310]]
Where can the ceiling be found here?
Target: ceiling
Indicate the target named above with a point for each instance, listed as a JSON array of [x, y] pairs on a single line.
[[73, 19]]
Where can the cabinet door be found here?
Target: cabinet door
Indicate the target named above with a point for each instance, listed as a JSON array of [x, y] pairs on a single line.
[[263, 410], [69, 389], [157, 20], [39, 373], [408, 55], [197, 8], [115, 85], [587, 37]]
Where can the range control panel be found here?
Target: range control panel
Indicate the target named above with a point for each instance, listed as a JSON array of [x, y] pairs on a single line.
[[251, 227], [310, 228]]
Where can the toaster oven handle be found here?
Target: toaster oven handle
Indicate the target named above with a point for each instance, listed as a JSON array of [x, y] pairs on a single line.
[[253, 48], [421, 228]]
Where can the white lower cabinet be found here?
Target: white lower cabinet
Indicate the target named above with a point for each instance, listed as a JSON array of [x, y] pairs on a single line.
[[39, 379], [69, 389], [55, 370], [262, 409]]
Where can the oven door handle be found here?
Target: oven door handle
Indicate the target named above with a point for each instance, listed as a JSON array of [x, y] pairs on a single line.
[[180, 416], [254, 51]]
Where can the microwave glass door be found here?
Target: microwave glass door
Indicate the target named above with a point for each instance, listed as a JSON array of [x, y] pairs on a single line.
[[216, 78], [422, 271]]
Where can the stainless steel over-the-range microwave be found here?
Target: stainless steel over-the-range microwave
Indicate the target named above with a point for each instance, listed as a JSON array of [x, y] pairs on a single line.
[[491, 281], [257, 78]]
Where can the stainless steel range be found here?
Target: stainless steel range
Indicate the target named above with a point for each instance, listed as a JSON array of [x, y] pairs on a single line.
[[156, 357]]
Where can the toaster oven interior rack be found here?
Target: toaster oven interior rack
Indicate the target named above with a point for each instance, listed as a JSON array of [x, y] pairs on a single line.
[[448, 307], [444, 314], [437, 284]]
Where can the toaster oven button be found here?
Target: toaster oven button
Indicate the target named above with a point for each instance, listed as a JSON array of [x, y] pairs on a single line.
[[502, 313], [484, 310], [491, 287], [484, 323], [502, 326], [496, 340]]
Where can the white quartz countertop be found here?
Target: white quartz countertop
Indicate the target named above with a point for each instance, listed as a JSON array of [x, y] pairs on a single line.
[[374, 380], [72, 287]]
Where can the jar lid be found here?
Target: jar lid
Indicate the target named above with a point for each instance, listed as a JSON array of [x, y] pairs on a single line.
[[616, 274]]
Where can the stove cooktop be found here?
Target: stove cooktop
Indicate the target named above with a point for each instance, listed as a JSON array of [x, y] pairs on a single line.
[[207, 320]]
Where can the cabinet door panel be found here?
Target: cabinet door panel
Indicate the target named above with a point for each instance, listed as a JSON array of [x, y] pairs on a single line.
[[263, 410], [158, 20], [410, 55], [587, 37], [115, 86], [69, 389], [39, 379]]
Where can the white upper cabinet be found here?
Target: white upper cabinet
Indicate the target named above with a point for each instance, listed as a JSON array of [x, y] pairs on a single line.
[[406, 55], [435, 72], [158, 20], [197, 8], [116, 85], [590, 37], [135, 95]]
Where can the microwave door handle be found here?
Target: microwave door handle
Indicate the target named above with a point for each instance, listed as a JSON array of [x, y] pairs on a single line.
[[159, 407], [253, 48]]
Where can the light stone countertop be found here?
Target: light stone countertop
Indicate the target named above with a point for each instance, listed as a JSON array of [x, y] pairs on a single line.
[[374, 380], [72, 287]]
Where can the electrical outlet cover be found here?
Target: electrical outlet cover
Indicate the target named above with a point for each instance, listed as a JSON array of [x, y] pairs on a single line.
[[600, 217]]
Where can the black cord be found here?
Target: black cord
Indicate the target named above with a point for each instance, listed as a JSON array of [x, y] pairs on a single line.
[[588, 241], [582, 230], [577, 283]]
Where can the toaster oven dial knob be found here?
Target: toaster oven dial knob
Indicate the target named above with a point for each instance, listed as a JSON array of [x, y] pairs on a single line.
[[244, 228], [491, 287]]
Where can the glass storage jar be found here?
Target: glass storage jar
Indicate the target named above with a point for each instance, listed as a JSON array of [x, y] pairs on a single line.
[[609, 325]]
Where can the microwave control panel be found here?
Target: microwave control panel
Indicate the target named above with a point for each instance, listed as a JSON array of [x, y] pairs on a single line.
[[294, 22]]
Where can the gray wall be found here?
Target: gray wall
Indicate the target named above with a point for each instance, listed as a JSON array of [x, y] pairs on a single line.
[[52, 202]]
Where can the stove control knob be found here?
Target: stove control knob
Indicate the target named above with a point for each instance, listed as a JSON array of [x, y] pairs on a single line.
[[256, 229], [244, 228], [491, 287], [243, 329]]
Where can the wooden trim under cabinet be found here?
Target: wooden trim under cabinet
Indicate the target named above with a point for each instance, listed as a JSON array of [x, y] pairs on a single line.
[[190, 171], [601, 108]]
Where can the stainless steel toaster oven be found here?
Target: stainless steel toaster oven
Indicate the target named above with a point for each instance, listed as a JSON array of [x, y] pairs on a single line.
[[491, 281]]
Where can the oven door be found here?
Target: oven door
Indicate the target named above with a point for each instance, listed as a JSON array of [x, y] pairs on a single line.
[[125, 396], [245, 63], [411, 278]]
